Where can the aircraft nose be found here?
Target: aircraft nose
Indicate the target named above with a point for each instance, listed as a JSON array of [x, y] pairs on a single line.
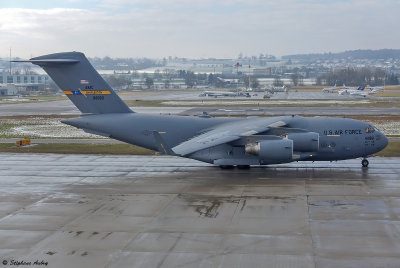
[[385, 141], [382, 141]]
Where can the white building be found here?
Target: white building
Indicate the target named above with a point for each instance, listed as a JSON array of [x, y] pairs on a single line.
[[5, 78], [8, 90], [14, 84]]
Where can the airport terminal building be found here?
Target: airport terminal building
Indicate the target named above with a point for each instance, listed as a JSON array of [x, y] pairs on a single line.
[[14, 84]]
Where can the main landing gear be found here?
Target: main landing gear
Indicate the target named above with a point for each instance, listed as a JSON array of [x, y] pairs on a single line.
[[243, 166], [232, 167], [227, 167], [364, 162]]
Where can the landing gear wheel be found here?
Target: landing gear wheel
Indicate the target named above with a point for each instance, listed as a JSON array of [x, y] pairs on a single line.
[[226, 167], [243, 166], [364, 163]]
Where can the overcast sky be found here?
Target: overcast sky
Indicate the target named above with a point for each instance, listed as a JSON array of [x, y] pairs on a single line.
[[196, 28]]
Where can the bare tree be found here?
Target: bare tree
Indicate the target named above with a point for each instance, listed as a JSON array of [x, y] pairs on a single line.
[[167, 83], [157, 74], [246, 81], [295, 79], [28, 70], [149, 82], [278, 82], [254, 82]]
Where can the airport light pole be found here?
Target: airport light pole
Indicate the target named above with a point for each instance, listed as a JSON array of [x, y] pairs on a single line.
[[10, 61]]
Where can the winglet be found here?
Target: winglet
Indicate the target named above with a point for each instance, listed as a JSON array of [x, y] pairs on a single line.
[[163, 147]]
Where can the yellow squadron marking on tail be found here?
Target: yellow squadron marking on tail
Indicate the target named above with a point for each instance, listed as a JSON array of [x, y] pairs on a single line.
[[87, 92]]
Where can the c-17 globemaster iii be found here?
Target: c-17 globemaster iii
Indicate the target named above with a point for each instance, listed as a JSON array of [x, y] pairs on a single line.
[[225, 142]]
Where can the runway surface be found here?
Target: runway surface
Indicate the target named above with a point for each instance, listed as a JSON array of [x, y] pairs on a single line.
[[65, 107], [157, 211], [322, 111]]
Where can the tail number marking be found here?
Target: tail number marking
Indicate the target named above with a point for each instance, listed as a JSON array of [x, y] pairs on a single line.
[[98, 97]]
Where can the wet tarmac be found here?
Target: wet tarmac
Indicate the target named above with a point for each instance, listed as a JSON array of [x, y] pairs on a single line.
[[156, 211]]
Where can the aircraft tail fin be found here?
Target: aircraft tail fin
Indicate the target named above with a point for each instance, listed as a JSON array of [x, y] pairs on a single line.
[[83, 85]]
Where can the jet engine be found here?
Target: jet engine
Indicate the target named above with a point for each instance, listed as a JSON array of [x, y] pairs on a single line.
[[277, 149], [304, 141]]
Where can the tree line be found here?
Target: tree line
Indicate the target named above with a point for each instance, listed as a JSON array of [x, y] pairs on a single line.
[[358, 76], [354, 54], [191, 79]]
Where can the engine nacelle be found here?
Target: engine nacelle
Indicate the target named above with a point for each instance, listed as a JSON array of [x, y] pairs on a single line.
[[304, 141], [281, 149]]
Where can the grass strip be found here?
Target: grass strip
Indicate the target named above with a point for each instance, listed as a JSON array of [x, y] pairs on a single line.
[[392, 150], [73, 148]]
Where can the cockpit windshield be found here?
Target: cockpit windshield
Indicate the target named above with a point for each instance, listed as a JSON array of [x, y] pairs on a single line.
[[370, 129]]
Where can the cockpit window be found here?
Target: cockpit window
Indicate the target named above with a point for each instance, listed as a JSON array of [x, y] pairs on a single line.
[[370, 130]]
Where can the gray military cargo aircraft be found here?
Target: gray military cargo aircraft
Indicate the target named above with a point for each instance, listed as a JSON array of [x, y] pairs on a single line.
[[226, 142]]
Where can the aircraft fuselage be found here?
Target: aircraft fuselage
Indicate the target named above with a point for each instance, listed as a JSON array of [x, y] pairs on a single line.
[[339, 138]]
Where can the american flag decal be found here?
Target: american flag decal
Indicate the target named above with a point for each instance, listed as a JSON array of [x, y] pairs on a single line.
[[84, 82]]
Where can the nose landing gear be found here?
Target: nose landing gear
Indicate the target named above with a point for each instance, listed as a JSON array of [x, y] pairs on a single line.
[[364, 162]]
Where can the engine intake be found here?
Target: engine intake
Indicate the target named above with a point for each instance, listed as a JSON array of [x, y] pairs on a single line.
[[304, 142]]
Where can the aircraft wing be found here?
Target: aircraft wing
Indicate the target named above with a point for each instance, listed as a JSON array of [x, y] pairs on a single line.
[[226, 133]]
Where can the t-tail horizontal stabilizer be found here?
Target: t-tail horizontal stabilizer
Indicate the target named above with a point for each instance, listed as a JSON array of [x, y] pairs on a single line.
[[83, 85]]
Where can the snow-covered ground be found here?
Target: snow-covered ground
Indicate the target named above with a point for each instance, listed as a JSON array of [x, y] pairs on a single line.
[[40, 127], [387, 127]]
